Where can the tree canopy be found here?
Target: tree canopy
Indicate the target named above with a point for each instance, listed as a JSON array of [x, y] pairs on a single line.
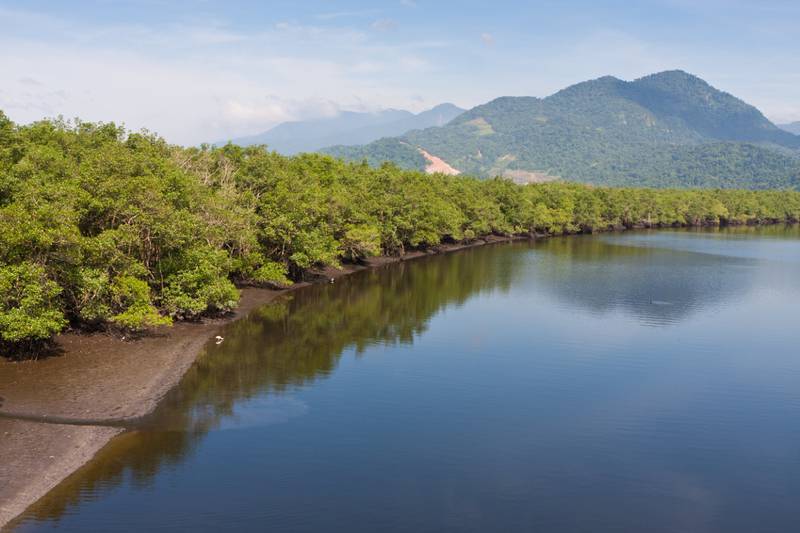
[[104, 228]]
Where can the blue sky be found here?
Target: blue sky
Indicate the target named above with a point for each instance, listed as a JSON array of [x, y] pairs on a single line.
[[195, 70]]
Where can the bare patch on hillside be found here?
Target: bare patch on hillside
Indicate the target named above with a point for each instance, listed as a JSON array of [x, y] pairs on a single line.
[[437, 164]]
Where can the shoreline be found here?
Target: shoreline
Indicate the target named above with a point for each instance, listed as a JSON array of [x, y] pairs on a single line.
[[99, 385]]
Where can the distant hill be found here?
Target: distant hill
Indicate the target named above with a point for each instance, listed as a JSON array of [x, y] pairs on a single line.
[[670, 129], [348, 128], [794, 127]]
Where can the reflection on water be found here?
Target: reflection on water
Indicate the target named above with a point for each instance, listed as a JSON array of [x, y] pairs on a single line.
[[661, 277], [657, 285], [604, 383], [287, 344]]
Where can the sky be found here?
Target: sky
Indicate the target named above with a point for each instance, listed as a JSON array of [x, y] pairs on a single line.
[[201, 71]]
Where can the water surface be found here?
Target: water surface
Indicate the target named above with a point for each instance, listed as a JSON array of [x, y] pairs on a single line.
[[647, 381]]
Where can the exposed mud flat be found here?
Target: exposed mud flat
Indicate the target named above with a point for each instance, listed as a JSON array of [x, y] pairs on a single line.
[[36, 457]]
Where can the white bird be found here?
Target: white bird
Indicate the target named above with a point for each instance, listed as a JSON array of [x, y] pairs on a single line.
[[219, 339]]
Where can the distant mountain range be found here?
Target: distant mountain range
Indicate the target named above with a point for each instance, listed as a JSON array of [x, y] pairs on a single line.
[[348, 128], [670, 129], [794, 127]]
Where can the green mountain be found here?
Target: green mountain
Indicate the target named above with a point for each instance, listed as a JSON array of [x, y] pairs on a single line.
[[668, 129], [348, 127]]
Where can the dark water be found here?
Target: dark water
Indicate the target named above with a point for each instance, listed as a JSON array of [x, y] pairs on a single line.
[[633, 382]]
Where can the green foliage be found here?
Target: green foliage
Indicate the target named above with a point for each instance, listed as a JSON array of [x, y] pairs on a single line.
[[92, 299], [360, 241], [131, 297], [200, 285], [376, 152], [29, 309], [99, 227], [272, 273]]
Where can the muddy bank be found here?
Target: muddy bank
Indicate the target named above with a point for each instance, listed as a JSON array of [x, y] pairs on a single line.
[[36, 457], [100, 379], [57, 413]]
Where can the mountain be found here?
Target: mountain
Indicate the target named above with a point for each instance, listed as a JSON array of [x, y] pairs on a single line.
[[348, 128], [667, 129], [794, 127]]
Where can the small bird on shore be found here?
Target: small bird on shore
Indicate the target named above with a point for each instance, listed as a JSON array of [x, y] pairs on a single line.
[[219, 339]]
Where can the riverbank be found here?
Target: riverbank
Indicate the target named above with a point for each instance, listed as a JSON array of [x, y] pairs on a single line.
[[57, 413]]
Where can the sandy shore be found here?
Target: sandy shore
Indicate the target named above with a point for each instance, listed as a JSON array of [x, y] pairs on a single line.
[[57, 413]]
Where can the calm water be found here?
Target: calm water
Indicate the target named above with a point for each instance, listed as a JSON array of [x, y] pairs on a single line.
[[633, 382]]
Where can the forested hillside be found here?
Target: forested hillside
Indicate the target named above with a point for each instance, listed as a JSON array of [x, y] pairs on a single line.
[[103, 228], [666, 130]]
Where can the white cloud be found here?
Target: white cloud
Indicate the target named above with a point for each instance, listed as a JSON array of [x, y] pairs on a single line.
[[201, 82], [346, 14], [384, 25], [25, 80], [414, 64], [272, 109]]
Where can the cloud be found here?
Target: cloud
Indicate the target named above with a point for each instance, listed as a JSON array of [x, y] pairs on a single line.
[[367, 67], [273, 109], [384, 25], [200, 78], [414, 64], [346, 14], [25, 80], [202, 81], [211, 36]]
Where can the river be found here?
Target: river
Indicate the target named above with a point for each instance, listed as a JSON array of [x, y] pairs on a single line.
[[643, 381]]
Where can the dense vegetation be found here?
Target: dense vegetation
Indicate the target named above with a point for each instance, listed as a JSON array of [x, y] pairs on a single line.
[[102, 228], [665, 130]]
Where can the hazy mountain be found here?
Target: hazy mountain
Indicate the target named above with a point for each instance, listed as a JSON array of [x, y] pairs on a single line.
[[794, 127], [667, 129], [348, 128]]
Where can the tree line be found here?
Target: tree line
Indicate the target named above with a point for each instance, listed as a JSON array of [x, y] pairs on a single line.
[[100, 227]]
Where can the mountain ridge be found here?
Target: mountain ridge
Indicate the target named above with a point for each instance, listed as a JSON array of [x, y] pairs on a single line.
[[792, 127], [666, 129], [348, 127]]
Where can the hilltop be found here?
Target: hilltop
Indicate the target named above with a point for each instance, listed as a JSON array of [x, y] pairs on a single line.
[[348, 127], [670, 129]]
